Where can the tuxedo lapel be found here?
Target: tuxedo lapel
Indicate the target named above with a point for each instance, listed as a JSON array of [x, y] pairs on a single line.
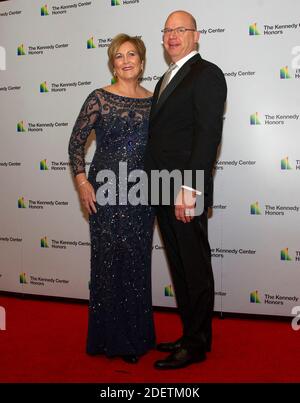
[[179, 76], [155, 97]]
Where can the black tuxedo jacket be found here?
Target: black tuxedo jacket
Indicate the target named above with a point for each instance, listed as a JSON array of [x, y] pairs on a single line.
[[185, 125]]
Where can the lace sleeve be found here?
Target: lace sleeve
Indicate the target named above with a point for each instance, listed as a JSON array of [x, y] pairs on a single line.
[[84, 124]]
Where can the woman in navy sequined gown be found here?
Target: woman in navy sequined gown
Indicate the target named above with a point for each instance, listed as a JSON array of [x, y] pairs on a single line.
[[120, 305]]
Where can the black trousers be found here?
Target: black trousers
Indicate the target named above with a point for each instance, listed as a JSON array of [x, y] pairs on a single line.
[[188, 252]]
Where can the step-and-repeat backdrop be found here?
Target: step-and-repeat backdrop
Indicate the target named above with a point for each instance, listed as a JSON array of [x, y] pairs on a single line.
[[54, 53]]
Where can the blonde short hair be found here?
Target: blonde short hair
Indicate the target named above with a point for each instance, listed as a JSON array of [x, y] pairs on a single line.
[[118, 41]]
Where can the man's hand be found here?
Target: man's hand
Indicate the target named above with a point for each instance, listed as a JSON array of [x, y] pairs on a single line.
[[185, 205]]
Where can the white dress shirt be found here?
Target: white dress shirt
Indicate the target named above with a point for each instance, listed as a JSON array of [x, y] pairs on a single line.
[[181, 62]]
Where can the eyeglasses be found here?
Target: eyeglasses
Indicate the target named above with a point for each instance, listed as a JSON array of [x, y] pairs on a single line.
[[178, 30]]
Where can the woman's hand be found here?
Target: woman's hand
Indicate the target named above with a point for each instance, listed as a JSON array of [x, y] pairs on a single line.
[[86, 193], [88, 197]]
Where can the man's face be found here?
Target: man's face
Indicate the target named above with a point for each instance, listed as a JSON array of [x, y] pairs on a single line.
[[179, 45]]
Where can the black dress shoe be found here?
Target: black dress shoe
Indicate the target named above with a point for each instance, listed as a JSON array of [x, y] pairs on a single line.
[[130, 359], [170, 346], [179, 359]]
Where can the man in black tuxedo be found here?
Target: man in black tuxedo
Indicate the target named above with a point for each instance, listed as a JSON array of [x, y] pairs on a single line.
[[184, 133]]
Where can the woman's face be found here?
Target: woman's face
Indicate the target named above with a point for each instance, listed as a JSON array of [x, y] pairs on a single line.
[[127, 62]]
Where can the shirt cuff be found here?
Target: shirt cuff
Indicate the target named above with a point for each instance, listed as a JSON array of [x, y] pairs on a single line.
[[191, 189]]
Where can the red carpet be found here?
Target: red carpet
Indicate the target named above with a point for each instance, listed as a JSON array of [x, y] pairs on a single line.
[[45, 342]]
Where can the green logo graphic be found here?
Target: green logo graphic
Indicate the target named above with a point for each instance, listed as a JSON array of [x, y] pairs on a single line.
[[254, 297], [115, 2], [21, 202], [23, 278], [285, 163], [44, 242], [90, 43], [21, 50], [284, 255], [254, 209], [284, 73], [169, 291], [253, 30], [20, 126], [43, 87], [44, 10], [254, 119], [43, 165]]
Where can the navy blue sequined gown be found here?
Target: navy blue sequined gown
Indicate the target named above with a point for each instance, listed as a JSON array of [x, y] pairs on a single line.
[[120, 306]]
